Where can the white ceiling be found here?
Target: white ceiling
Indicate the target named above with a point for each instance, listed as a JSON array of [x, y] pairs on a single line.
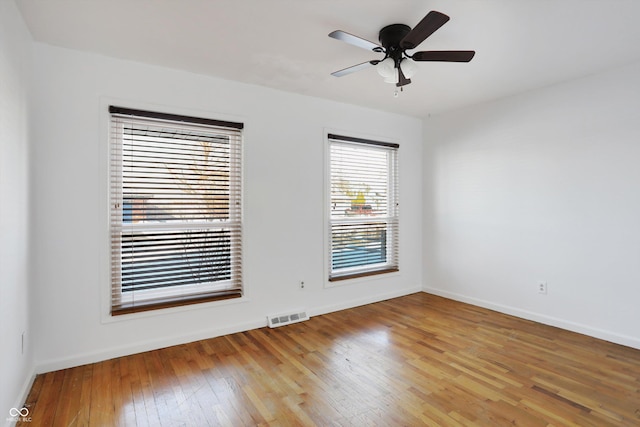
[[283, 44]]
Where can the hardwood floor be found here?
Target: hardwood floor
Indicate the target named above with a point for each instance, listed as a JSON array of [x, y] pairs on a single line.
[[410, 361]]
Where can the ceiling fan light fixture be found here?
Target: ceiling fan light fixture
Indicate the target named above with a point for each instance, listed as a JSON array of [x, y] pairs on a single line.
[[408, 67], [386, 68], [393, 78]]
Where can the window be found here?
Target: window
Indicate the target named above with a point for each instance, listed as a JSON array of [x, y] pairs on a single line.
[[175, 217], [363, 218]]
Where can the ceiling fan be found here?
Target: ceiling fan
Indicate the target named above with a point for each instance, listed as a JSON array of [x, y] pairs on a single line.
[[397, 66]]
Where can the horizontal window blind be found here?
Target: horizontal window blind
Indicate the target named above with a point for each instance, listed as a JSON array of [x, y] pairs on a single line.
[[176, 223], [364, 225]]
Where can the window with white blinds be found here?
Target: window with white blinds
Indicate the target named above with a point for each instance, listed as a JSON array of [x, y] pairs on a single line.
[[175, 217], [363, 219]]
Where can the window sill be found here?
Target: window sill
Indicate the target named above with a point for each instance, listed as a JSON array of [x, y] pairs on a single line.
[[362, 274], [107, 317], [169, 303]]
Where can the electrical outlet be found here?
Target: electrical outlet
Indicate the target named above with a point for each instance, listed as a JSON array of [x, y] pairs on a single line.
[[542, 288], [301, 283]]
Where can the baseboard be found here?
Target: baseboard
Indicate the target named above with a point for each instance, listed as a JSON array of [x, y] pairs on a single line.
[[540, 318], [22, 395], [83, 359], [363, 301]]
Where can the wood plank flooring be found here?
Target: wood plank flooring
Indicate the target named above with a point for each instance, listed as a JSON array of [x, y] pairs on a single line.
[[411, 361]]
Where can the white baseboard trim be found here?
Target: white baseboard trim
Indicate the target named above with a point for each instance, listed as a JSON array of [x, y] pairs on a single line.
[[83, 359], [540, 318], [23, 394], [363, 301]]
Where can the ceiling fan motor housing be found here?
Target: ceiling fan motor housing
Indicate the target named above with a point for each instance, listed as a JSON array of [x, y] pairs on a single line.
[[391, 35]]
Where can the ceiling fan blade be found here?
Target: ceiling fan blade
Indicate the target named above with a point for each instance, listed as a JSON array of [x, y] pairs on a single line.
[[444, 55], [429, 24], [354, 68], [355, 40]]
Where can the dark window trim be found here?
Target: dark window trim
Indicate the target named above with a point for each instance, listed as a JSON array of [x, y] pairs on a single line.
[[173, 117], [362, 274], [362, 140], [168, 303]]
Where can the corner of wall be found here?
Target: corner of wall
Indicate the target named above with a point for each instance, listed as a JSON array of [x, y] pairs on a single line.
[[17, 369]]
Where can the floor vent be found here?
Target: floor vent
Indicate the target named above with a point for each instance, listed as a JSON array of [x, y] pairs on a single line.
[[287, 319]]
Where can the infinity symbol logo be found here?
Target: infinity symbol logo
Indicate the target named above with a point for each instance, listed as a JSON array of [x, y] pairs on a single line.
[[14, 412]]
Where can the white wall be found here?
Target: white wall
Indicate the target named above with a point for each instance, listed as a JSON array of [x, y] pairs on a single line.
[[284, 212], [15, 367], [544, 186]]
